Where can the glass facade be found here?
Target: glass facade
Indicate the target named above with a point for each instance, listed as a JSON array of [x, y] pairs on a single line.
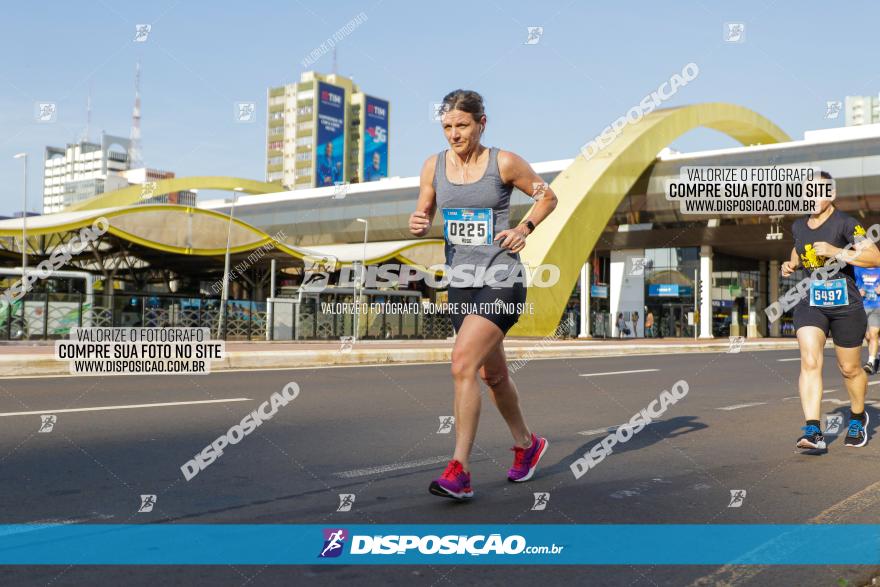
[[669, 291]]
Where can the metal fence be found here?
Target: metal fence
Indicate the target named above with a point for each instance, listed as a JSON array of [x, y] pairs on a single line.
[[43, 316], [52, 315], [333, 314]]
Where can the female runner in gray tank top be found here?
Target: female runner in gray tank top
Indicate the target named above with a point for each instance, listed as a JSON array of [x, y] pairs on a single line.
[[471, 185]]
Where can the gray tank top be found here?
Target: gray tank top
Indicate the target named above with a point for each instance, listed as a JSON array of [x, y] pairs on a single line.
[[487, 192]]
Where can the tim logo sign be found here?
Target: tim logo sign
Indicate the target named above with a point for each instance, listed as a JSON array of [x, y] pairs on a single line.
[[334, 541], [330, 98]]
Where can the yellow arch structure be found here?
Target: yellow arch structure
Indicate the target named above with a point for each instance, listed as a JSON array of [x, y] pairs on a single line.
[[134, 194], [589, 192]]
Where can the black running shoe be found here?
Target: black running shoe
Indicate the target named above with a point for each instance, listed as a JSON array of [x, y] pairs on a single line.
[[857, 433], [812, 439], [870, 367], [877, 364]]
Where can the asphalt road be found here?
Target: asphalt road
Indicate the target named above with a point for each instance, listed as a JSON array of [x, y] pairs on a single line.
[[373, 432]]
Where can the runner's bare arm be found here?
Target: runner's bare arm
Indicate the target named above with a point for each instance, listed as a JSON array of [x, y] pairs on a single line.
[[862, 254], [868, 255], [789, 267], [426, 207], [516, 170]]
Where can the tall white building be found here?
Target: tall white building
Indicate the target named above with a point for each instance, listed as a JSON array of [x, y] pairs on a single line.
[[304, 117], [862, 110], [83, 170]]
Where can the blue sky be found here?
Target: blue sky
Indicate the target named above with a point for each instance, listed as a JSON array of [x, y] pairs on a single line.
[[594, 61]]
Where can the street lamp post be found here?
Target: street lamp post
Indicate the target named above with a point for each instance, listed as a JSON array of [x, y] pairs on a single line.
[[360, 290], [23, 156], [224, 295]]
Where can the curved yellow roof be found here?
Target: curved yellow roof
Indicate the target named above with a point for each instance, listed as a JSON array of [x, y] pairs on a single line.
[[185, 230]]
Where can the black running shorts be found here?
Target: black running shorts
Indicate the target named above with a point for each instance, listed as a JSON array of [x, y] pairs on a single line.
[[500, 305], [847, 325]]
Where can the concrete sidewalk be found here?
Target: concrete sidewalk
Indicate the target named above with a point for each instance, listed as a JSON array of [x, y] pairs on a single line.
[[39, 359]]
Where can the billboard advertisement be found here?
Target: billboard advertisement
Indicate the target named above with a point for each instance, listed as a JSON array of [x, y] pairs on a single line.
[[330, 149], [375, 139]]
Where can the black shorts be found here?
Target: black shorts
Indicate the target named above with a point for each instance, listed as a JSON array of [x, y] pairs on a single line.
[[847, 325], [483, 301]]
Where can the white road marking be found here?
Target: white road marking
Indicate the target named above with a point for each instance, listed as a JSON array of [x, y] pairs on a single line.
[[841, 402], [125, 407], [823, 391], [638, 489], [611, 429], [740, 406], [48, 523], [625, 493], [392, 467], [618, 372], [596, 431], [793, 359]]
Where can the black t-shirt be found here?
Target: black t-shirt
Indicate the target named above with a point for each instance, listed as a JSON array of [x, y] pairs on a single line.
[[838, 230]]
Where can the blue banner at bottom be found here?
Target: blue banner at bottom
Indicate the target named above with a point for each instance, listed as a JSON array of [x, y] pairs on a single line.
[[392, 544]]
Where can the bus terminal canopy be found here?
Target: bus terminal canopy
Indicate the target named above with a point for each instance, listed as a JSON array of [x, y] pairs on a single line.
[[186, 240]]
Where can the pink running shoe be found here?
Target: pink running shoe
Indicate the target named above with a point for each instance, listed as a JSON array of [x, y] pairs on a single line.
[[454, 483], [525, 460]]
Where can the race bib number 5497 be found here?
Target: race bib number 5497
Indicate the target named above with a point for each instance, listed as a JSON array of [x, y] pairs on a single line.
[[826, 293]]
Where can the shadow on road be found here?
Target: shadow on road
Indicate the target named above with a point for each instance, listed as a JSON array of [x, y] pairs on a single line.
[[650, 435]]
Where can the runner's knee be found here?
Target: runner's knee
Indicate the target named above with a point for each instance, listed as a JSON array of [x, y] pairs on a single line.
[[850, 370], [462, 366], [811, 363]]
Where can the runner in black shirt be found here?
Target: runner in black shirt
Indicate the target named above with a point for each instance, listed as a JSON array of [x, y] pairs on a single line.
[[833, 304]]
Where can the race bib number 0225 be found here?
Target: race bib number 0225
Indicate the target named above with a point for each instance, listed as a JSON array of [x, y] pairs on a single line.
[[468, 226]]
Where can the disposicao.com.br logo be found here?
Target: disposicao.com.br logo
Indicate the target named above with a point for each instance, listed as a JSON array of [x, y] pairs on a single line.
[[431, 544]]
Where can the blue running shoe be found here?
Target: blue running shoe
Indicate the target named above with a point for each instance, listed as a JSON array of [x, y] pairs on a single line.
[[857, 433], [812, 438]]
